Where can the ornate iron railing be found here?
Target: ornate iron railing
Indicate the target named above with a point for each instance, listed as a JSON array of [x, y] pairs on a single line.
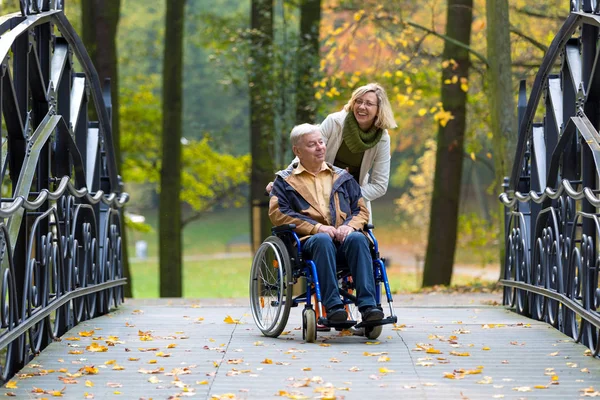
[[61, 196], [552, 198]]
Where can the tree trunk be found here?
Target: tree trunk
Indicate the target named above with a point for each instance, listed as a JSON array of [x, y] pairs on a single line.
[[170, 245], [308, 61], [441, 243], [262, 128], [502, 103], [100, 21]]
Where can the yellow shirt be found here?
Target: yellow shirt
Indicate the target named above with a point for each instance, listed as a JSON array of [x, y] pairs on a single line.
[[319, 185]]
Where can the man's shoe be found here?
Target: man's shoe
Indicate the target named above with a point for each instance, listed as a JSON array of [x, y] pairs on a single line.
[[372, 314], [337, 315]]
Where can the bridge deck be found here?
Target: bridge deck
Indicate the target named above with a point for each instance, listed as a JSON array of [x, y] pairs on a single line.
[[490, 352]]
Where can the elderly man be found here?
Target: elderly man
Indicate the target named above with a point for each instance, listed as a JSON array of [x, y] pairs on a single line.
[[325, 204]]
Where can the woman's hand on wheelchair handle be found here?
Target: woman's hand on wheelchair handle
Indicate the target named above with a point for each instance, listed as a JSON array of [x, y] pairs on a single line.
[[269, 187]]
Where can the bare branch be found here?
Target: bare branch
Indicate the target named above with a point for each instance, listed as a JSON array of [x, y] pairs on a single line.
[[533, 13], [531, 40], [449, 39], [216, 200]]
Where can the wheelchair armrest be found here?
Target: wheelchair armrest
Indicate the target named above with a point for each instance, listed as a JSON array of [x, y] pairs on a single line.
[[368, 227], [283, 228]]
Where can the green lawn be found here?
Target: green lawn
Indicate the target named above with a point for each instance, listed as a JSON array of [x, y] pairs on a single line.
[[201, 279], [208, 235], [228, 278]]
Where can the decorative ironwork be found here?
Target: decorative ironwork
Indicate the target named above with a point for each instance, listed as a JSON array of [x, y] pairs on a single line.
[[552, 197], [61, 196]]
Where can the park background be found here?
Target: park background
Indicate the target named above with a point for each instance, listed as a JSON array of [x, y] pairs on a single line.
[[398, 43]]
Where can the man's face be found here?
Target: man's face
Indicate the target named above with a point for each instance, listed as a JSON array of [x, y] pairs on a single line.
[[310, 150]]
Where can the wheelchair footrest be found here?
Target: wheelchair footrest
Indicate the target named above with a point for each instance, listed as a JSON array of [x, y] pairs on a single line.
[[389, 320], [337, 325]]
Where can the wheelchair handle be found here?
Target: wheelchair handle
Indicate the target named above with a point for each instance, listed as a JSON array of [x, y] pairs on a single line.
[[283, 228]]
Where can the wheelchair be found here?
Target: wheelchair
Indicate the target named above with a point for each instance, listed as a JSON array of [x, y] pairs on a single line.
[[279, 264]]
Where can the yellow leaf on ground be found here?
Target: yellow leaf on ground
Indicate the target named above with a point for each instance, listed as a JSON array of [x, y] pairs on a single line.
[[459, 354], [171, 346], [89, 383], [76, 352], [86, 333], [110, 362], [229, 320], [95, 347], [12, 385], [267, 361], [432, 350], [384, 370], [90, 370]]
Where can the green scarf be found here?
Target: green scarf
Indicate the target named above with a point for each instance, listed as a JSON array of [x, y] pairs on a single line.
[[355, 138]]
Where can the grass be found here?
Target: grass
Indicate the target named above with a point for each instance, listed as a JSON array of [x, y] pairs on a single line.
[[201, 279], [229, 278], [208, 235]]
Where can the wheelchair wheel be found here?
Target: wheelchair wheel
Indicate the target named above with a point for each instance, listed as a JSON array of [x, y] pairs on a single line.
[[271, 287], [373, 332], [309, 325]]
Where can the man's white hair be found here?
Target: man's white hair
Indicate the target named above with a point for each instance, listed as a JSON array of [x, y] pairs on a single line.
[[300, 130]]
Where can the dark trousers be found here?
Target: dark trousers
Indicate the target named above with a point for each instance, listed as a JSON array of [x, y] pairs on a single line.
[[355, 253]]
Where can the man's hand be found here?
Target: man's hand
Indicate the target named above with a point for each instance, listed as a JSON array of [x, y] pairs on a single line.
[[330, 230], [342, 232]]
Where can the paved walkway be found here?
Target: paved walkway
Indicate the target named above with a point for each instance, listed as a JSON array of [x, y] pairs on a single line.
[[443, 347]]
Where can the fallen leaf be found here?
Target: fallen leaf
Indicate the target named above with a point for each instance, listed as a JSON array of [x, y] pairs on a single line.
[[229, 320], [12, 385], [89, 370], [86, 333], [89, 383], [522, 389]]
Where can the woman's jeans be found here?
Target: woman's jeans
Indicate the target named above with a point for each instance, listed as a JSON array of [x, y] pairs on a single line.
[[355, 253]]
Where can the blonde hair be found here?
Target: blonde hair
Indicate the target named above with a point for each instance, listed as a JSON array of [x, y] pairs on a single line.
[[385, 116], [300, 130]]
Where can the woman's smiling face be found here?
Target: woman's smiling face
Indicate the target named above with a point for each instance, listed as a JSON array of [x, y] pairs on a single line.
[[365, 110]]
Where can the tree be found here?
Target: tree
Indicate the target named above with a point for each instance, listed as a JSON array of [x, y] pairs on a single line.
[[99, 23], [308, 60], [262, 117], [441, 243], [501, 98], [170, 251]]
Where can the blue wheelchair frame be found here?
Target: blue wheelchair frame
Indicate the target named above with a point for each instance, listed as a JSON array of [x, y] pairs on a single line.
[[307, 268]]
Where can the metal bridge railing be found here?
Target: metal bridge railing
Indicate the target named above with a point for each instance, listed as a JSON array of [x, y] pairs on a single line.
[[61, 197], [552, 221]]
